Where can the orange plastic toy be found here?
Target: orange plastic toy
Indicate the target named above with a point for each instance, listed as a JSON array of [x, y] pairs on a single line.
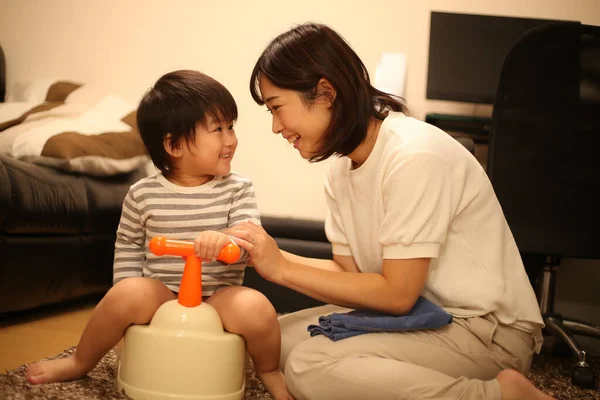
[[184, 353], [190, 291]]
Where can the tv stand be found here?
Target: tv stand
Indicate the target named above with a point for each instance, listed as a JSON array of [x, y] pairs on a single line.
[[477, 128]]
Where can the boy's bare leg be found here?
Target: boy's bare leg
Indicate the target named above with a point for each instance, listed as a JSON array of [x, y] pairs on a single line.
[[131, 301], [249, 313]]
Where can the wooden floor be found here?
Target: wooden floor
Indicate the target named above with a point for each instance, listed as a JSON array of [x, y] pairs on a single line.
[[31, 336]]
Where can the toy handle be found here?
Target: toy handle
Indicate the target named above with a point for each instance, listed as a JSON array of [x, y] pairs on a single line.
[[190, 290], [159, 246]]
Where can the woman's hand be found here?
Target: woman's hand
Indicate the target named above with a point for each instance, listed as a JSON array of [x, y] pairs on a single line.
[[264, 252]]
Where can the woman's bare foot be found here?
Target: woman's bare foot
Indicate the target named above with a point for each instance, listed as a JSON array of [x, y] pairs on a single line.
[[63, 369], [275, 383], [514, 386]]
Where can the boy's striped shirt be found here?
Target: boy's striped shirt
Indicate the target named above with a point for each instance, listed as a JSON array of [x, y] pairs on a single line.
[[156, 207]]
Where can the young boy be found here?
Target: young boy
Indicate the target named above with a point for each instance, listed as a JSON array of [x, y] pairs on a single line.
[[186, 123]]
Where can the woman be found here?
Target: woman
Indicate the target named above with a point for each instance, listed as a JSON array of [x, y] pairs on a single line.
[[411, 212]]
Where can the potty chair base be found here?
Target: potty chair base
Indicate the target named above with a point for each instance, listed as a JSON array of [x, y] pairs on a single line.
[[182, 354]]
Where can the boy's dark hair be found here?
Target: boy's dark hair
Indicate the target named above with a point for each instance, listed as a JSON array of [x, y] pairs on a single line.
[[177, 103], [299, 58]]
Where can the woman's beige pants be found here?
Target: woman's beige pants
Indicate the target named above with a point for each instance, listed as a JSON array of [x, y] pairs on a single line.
[[459, 361]]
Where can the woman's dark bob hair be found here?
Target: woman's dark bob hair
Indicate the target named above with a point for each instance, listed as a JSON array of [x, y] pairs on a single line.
[[299, 58]]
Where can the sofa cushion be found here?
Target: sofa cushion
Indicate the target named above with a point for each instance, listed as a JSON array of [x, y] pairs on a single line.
[[40, 200], [41, 270], [295, 228]]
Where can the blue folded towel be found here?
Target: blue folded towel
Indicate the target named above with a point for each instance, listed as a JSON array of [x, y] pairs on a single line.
[[423, 315]]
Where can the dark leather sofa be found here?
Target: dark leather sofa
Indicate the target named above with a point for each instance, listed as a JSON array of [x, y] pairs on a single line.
[[57, 234]]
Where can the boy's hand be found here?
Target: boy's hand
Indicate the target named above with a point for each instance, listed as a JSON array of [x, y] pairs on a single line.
[[208, 244]]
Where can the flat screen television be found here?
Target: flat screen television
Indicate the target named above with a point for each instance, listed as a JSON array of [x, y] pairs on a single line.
[[466, 52]]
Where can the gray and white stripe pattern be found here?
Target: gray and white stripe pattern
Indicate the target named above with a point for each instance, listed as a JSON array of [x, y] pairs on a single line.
[[156, 207]]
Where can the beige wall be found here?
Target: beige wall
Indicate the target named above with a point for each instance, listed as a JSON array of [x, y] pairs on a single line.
[[126, 45]]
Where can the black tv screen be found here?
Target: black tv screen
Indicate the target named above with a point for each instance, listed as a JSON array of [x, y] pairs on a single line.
[[466, 52]]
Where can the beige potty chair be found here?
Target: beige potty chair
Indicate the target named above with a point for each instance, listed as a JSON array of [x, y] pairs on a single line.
[[183, 353]]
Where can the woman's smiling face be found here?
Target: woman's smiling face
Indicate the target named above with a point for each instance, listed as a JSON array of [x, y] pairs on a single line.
[[300, 123]]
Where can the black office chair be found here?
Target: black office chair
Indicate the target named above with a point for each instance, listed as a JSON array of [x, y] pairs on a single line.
[[2, 75], [544, 159]]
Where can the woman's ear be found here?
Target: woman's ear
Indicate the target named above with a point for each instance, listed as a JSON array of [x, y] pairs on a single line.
[[326, 91], [172, 146]]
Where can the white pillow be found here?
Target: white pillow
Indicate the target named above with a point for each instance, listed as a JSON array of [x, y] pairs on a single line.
[[34, 91]]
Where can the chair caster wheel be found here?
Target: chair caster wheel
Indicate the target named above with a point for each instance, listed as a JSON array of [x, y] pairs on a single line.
[[583, 376]]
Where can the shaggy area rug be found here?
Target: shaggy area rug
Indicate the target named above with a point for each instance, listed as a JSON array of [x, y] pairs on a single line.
[[550, 373]]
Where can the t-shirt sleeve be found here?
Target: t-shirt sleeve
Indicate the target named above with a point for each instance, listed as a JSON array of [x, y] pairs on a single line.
[[130, 251], [244, 207], [419, 202], [334, 228]]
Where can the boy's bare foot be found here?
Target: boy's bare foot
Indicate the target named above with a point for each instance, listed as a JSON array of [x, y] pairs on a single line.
[[275, 383], [514, 386], [63, 369]]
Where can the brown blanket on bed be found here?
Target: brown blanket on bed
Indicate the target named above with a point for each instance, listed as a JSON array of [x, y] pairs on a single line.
[[62, 147]]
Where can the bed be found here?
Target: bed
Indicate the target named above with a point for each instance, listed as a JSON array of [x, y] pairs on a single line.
[[68, 155]]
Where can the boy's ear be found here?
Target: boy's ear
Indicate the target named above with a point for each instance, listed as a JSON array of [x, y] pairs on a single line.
[[326, 91], [171, 146]]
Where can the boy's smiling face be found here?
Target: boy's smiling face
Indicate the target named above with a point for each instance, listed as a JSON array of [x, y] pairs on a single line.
[[208, 154]]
